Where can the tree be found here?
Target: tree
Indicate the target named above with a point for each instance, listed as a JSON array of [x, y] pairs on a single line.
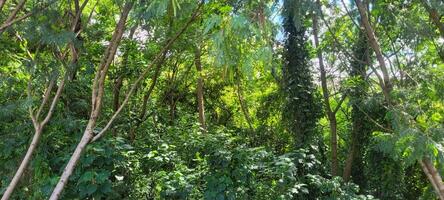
[[331, 114], [302, 109], [427, 166], [97, 95]]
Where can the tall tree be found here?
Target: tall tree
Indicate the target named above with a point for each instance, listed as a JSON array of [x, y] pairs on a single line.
[[301, 110], [331, 114], [427, 165], [97, 100]]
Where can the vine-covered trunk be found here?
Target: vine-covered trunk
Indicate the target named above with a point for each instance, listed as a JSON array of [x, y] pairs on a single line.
[[301, 108], [358, 70]]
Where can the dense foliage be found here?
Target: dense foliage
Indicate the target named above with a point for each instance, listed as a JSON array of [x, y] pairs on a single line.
[[221, 99]]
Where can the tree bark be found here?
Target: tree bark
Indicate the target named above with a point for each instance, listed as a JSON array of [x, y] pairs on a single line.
[[330, 115], [200, 92], [348, 164], [87, 135]]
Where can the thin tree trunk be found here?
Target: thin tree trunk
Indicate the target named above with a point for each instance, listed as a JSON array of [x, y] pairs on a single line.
[[15, 11], [76, 27], [118, 83], [12, 19], [200, 95], [242, 102], [373, 41], [330, 115], [116, 96], [435, 17], [146, 96], [426, 164], [97, 94], [151, 88]]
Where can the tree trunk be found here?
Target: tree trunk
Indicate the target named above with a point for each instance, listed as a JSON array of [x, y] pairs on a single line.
[[38, 126], [200, 95], [146, 96], [116, 96], [153, 84], [373, 41], [35, 117], [160, 55], [358, 91], [330, 115]]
